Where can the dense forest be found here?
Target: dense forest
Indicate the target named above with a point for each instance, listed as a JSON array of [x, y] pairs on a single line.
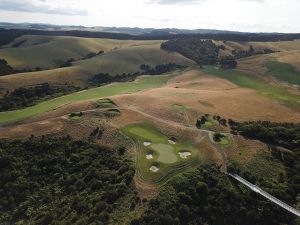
[[61, 181], [276, 135], [7, 36], [281, 134], [203, 52], [206, 52], [28, 96], [206, 196]]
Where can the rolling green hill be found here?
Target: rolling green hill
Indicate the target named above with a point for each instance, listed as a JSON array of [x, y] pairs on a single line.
[[51, 51], [126, 59]]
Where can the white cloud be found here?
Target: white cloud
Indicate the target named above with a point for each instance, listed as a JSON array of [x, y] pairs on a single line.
[[241, 15], [41, 6], [172, 2]]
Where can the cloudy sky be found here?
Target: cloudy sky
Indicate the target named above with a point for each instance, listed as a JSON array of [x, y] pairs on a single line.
[[240, 15]]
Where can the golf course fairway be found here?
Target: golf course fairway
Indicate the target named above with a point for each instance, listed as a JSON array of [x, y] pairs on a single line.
[[117, 88]]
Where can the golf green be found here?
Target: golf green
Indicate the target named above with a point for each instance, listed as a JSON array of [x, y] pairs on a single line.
[[166, 153]]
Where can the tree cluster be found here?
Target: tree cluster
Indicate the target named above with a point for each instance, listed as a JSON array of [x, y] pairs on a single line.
[[5, 69], [203, 52], [218, 136], [106, 78], [159, 69], [92, 54], [28, 96], [228, 62], [201, 121]]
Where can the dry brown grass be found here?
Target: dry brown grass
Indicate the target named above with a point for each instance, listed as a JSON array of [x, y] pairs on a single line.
[[276, 46], [207, 95], [196, 94], [43, 127]]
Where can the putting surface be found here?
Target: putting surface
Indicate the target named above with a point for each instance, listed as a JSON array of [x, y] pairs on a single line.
[[166, 153]]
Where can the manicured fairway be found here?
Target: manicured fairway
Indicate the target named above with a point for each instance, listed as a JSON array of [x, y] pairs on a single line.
[[109, 90], [261, 86], [284, 72], [145, 133]]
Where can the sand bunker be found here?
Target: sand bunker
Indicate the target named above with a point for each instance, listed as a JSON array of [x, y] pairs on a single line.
[[172, 140], [154, 169], [184, 155], [147, 143], [149, 156]]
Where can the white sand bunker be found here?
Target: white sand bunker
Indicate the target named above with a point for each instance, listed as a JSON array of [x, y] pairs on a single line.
[[184, 155], [147, 143], [149, 156], [154, 169], [172, 141]]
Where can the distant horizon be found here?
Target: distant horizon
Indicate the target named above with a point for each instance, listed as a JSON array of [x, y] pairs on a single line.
[[131, 27], [253, 16]]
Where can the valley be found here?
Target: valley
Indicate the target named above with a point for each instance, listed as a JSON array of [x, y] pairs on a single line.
[[173, 135]]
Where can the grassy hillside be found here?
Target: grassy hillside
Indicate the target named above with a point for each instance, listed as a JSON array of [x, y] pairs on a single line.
[[124, 60], [284, 72], [117, 88], [248, 81], [49, 52], [277, 46]]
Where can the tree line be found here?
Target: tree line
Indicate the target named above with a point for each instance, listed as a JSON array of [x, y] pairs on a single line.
[[105, 78], [27, 96], [8, 35]]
